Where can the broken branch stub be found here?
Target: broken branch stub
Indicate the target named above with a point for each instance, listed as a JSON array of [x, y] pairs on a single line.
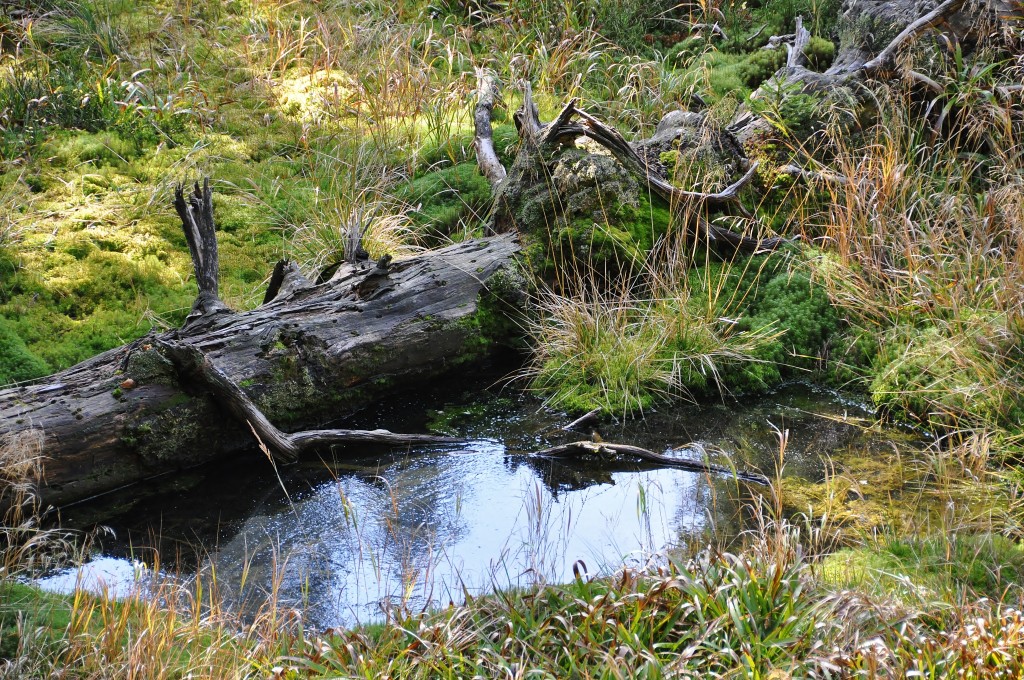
[[487, 157], [196, 213]]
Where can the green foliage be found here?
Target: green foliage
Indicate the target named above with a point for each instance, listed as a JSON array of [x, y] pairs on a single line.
[[623, 355], [685, 51], [16, 362], [793, 114], [714, 615], [25, 610], [759, 66], [778, 18], [447, 203], [630, 24]]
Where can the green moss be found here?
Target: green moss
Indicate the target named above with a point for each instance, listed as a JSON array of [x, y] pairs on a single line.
[[723, 73], [759, 66], [147, 366], [70, 149], [820, 53], [26, 608], [16, 362], [793, 303], [959, 567], [943, 378], [448, 201], [864, 495]]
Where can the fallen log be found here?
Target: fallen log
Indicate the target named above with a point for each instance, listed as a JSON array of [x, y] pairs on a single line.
[[310, 355], [607, 449]]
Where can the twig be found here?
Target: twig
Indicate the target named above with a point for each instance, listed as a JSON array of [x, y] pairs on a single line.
[[584, 419]]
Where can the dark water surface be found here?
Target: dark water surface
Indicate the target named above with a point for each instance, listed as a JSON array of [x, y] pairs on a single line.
[[354, 532]]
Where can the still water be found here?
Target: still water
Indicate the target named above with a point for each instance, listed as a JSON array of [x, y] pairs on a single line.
[[357, 533]]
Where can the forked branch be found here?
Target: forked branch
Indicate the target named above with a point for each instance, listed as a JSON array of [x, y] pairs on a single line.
[[196, 213], [285, 447], [572, 123]]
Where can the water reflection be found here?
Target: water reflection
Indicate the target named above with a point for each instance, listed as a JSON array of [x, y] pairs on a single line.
[[366, 532], [430, 529]]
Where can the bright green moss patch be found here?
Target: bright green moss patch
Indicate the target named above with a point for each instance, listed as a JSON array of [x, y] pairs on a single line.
[[447, 202], [16, 362], [945, 378], [957, 568], [791, 302], [28, 609]]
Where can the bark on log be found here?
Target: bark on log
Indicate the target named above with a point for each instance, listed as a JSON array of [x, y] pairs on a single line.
[[315, 354]]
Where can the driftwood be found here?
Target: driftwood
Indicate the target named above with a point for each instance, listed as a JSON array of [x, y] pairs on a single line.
[[311, 354], [606, 449], [541, 142]]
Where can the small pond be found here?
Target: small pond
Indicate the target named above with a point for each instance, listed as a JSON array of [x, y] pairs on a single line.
[[355, 533]]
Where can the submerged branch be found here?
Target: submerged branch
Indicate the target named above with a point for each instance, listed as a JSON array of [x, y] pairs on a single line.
[[606, 449]]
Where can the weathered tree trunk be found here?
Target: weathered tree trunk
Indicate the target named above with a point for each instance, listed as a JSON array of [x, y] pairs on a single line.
[[311, 354]]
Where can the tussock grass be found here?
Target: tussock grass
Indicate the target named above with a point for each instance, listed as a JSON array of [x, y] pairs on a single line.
[[924, 256]]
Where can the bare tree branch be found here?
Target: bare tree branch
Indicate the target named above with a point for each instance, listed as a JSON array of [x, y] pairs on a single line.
[[886, 59], [486, 156], [284, 446]]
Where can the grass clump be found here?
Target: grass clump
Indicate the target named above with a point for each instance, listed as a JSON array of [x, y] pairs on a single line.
[[623, 353]]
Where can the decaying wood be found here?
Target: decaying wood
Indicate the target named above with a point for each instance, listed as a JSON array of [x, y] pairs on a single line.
[[572, 123], [885, 61], [316, 354], [606, 449], [285, 447], [286, 280], [487, 157], [713, 29], [813, 176], [196, 213], [796, 57]]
